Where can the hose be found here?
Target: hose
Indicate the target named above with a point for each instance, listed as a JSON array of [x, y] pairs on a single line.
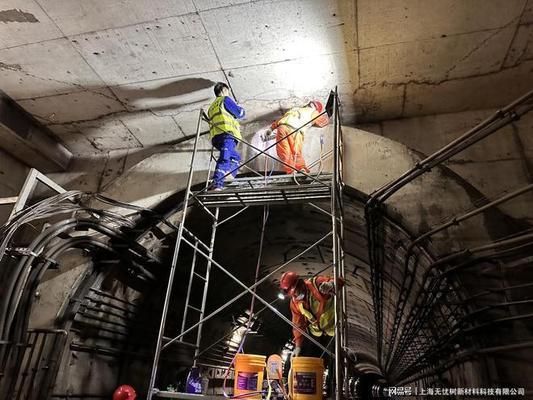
[[266, 213]]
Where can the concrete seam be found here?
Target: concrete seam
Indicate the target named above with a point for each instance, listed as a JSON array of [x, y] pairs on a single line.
[[131, 133], [101, 178], [81, 87], [83, 58], [178, 126], [357, 43], [204, 11], [216, 54], [474, 50], [433, 83], [101, 30], [439, 38], [72, 84]]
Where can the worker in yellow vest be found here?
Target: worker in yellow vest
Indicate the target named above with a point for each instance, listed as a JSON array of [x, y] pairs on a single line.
[[312, 305], [312, 308], [223, 114], [290, 145]]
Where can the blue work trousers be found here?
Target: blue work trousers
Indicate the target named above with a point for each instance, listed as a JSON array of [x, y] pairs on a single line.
[[228, 160]]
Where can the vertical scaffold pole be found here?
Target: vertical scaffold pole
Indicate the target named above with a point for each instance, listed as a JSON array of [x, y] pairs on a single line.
[[336, 253], [174, 263]]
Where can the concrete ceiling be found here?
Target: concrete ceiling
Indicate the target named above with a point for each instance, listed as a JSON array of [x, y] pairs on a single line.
[[128, 74]]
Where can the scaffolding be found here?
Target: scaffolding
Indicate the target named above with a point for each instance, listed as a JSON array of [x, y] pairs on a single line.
[[240, 194]]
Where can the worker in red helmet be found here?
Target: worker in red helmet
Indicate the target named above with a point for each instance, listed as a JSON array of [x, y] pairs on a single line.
[[311, 305], [124, 392], [290, 145]]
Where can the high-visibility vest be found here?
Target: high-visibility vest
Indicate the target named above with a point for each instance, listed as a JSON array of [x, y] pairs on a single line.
[[319, 310], [296, 117], [221, 121]]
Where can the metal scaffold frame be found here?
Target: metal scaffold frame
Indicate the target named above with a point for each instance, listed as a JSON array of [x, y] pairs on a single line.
[[244, 192]]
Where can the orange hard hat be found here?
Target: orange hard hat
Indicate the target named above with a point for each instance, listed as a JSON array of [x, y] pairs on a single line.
[[124, 392], [288, 280], [318, 105]]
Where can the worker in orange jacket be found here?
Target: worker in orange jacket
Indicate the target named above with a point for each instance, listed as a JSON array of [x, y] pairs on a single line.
[[289, 146], [312, 308], [311, 305]]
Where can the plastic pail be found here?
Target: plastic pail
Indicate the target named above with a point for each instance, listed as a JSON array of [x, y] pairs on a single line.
[[249, 375], [306, 378]]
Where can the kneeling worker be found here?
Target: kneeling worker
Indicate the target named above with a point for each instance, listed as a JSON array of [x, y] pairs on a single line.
[[312, 306], [313, 310]]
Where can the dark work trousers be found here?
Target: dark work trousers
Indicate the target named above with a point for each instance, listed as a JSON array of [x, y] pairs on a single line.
[[228, 159]]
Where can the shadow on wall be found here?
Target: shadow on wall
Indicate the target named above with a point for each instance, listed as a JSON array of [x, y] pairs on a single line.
[[171, 89], [116, 100]]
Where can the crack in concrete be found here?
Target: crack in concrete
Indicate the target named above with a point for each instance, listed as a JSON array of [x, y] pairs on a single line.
[[358, 50], [18, 68], [479, 46], [102, 174], [404, 99], [10, 67], [131, 133], [430, 82], [511, 43], [180, 129], [73, 84], [215, 53]]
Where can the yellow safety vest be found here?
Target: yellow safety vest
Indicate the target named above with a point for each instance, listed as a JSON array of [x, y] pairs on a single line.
[[296, 117], [221, 121], [326, 322]]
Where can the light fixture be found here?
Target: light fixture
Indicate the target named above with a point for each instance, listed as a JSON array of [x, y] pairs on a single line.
[[281, 296]]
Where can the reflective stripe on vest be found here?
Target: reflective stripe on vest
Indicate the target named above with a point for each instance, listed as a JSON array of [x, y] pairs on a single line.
[[321, 314], [221, 121]]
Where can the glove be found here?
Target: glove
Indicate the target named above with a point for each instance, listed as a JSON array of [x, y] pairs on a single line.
[[327, 288], [296, 352]]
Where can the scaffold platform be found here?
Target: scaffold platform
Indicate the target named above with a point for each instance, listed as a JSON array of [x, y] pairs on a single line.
[[272, 190]]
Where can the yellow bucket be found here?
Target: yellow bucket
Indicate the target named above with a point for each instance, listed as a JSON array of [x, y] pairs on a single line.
[[249, 375], [306, 378]]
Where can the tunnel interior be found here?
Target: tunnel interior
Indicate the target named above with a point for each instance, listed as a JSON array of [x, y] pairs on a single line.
[[464, 314]]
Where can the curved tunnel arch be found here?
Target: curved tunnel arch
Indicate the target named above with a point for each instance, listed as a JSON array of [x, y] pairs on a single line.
[[467, 361]]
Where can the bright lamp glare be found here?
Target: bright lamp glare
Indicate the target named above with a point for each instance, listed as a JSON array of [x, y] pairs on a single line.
[[281, 296]]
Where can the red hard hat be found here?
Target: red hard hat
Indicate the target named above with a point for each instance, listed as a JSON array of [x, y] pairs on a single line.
[[288, 280], [124, 392], [318, 105]]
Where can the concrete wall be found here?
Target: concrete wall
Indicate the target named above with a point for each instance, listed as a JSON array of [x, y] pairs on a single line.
[[370, 161], [12, 176], [494, 166]]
